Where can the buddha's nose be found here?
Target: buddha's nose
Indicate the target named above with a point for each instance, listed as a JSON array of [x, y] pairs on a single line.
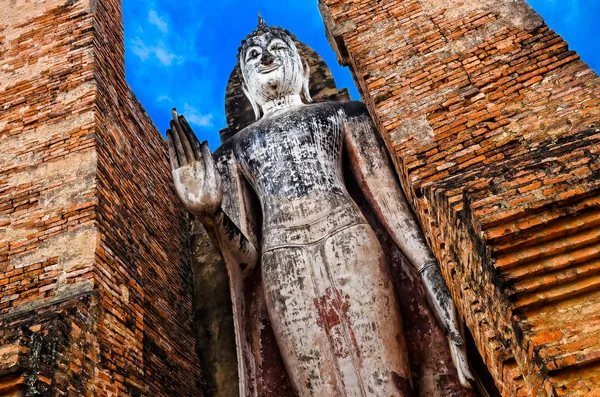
[[267, 59]]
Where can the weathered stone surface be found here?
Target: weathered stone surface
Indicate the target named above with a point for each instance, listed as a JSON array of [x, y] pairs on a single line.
[[86, 207], [324, 286], [261, 363], [492, 123], [433, 372], [51, 350], [214, 316]]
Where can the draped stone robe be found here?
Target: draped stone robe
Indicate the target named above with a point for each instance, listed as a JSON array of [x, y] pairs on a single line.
[[255, 358]]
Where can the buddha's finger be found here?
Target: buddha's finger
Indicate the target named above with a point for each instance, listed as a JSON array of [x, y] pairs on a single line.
[[217, 179], [209, 165], [197, 150], [207, 156], [460, 361], [454, 328], [191, 136], [181, 155], [183, 136], [210, 182], [172, 153]]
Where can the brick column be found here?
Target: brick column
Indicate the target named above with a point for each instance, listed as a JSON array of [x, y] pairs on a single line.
[[94, 262], [493, 126]]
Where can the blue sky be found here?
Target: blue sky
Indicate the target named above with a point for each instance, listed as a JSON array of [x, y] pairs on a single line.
[[180, 53]]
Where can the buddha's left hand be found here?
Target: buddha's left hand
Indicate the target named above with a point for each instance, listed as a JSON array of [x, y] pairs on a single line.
[[442, 304]]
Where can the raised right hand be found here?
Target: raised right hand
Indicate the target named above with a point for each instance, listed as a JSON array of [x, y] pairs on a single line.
[[196, 179]]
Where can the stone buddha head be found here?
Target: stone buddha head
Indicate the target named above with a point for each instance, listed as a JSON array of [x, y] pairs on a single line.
[[274, 74]]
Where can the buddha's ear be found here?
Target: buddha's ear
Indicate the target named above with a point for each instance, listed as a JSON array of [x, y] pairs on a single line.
[[306, 80], [255, 106]]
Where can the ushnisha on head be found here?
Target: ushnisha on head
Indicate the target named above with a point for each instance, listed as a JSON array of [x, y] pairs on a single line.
[[274, 75]]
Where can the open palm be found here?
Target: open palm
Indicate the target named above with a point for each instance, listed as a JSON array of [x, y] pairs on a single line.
[[195, 176]]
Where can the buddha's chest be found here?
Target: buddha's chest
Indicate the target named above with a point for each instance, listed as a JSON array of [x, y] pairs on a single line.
[[297, 152]]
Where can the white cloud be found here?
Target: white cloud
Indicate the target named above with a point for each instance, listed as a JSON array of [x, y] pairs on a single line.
[[158, 51], [164, 56], [140, 49], [157, 21], [197, 118]]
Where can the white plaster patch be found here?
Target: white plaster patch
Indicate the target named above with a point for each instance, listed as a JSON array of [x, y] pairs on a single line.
[[124, 293], [32, 138], [71, 96], [74, 165], [72, 193], [10, 76], [473, 40], [460, 45], [19, 10], [419, 126], [74, 177], [517, 12], [73, 248]]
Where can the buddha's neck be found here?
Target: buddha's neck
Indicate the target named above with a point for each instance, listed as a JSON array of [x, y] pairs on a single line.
[[281, 103]]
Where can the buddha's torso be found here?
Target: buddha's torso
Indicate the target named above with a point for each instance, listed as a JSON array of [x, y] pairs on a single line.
[[293, 160]]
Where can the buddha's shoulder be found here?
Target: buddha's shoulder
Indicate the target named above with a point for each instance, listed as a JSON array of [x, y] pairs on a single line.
[[349, 108], [246, 132], [354, 108], [224, 151], [320, 109]]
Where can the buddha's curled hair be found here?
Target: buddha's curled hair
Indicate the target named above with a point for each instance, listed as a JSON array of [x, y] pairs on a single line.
[[261, 29]]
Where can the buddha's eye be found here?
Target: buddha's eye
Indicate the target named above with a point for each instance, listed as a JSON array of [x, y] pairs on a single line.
[[252, 54], [278, 45]]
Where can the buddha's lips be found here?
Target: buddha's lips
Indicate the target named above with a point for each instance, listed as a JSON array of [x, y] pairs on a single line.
[[268, 69]]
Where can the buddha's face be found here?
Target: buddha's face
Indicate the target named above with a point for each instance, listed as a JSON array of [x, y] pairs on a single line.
[[271, 67]]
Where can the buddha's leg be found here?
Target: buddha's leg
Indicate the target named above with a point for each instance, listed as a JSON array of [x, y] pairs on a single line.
[[335, 317], [291, 293], [364, 292]]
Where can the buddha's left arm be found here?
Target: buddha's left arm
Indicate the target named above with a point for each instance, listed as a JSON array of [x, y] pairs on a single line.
[[371, 165]]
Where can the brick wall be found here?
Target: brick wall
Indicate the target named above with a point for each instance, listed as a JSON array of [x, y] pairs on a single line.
[[47, 146], [87, 206], [492, 123], [52, 351]]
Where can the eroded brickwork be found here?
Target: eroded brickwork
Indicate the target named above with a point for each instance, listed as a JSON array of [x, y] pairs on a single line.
[[493, 126], [51, 350], [87, 207], [47, 158]]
